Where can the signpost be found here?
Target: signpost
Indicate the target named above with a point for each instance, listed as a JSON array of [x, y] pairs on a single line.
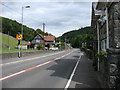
[[19, 37]]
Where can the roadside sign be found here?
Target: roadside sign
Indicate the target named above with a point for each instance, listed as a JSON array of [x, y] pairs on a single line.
[[19, 36]]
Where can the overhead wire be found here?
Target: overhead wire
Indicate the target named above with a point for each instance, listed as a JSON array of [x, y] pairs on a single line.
[[13, 10]]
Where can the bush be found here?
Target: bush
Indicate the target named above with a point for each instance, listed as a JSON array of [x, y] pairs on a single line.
[[102, 54], [83, 48], [63, 46], [39, 47]]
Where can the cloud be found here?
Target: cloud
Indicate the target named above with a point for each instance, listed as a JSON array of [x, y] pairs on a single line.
[[59, 17]]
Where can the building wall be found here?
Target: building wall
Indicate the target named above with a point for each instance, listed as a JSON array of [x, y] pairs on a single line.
[[37, 40], [111, 61], [103, 37], [113, 26], [114, 23]]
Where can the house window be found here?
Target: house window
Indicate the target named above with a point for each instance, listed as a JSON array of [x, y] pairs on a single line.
[[37, 41], [103, 45]]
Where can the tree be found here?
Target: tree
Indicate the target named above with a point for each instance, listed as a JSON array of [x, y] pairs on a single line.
[[77, 37], [13, 27]]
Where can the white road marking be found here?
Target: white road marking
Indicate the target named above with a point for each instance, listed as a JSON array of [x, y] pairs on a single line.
[[29, 59], [31, 68], [12, 75], [70, 79]]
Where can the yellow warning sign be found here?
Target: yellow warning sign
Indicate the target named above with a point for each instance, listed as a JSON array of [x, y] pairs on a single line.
[[19, 36]]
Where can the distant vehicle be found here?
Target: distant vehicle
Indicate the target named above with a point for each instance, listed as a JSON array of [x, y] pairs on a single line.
[[54, 48], [46, 48]]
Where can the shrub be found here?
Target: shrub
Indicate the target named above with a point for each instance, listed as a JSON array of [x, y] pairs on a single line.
[[83, 48], [101, 54], [39, 47]]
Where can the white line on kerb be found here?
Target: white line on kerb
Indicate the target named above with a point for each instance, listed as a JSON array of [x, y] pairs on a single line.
[[70, 79], [29, 59]]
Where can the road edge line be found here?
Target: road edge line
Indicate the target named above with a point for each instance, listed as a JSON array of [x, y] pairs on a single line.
[[71, 76], [31, 68], [29, 59]]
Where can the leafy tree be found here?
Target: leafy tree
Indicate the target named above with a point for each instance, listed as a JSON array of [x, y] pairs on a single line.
[[77, 37]]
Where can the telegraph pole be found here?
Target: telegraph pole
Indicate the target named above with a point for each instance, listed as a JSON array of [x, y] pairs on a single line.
[[8, 42], [44, 27], [43, 35]]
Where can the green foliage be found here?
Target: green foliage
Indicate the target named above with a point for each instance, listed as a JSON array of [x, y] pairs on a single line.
[[8, 43], [74, 33], [101, 54], [57, 40], [13, 27], [39, 46], [77, 37], [39, 31], [83, 48], [62, 45]]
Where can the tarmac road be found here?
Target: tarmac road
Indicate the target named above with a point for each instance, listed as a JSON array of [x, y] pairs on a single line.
[[53, 70]]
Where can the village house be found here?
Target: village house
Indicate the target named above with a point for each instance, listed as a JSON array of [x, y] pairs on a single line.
[[45, 41]]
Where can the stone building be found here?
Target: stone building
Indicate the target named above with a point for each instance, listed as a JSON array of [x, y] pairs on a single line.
[[113, 16], [106, 25]]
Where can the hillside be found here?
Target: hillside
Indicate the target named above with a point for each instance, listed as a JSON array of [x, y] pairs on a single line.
[[71, 34], [12, 27], [77, 37], [8, 34], [8, 43]]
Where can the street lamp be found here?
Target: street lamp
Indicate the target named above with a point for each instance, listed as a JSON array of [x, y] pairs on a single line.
[[19, 54], [22, 18]]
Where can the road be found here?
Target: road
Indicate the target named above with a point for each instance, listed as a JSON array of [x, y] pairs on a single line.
[[53, 70]]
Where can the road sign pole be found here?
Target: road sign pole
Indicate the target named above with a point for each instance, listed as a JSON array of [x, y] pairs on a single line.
[[19, 37], [19, 49]]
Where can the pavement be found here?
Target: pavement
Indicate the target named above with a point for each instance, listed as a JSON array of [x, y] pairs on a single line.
[[85, 76], [65, 69]]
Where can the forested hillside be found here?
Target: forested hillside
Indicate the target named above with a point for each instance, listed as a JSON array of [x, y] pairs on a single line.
[[77, 37], [73, 33], [12, 28]]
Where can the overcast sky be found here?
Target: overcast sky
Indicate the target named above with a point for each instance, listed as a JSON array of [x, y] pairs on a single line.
[[59, 17]]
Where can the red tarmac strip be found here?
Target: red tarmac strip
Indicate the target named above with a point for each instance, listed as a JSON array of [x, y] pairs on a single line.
[[20, 72]]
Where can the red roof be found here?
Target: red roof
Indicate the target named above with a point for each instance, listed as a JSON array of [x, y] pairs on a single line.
[[49, 38], [28, 43], [46, 43]]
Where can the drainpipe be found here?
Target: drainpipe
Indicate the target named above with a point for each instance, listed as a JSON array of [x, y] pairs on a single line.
[[98, 37], [107, 28]]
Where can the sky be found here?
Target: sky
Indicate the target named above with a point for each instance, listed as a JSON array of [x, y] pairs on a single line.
[[59, 17]]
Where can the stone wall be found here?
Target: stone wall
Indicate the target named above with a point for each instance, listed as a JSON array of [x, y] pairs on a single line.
[[113, 68], [110, 65], [114, 25]]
